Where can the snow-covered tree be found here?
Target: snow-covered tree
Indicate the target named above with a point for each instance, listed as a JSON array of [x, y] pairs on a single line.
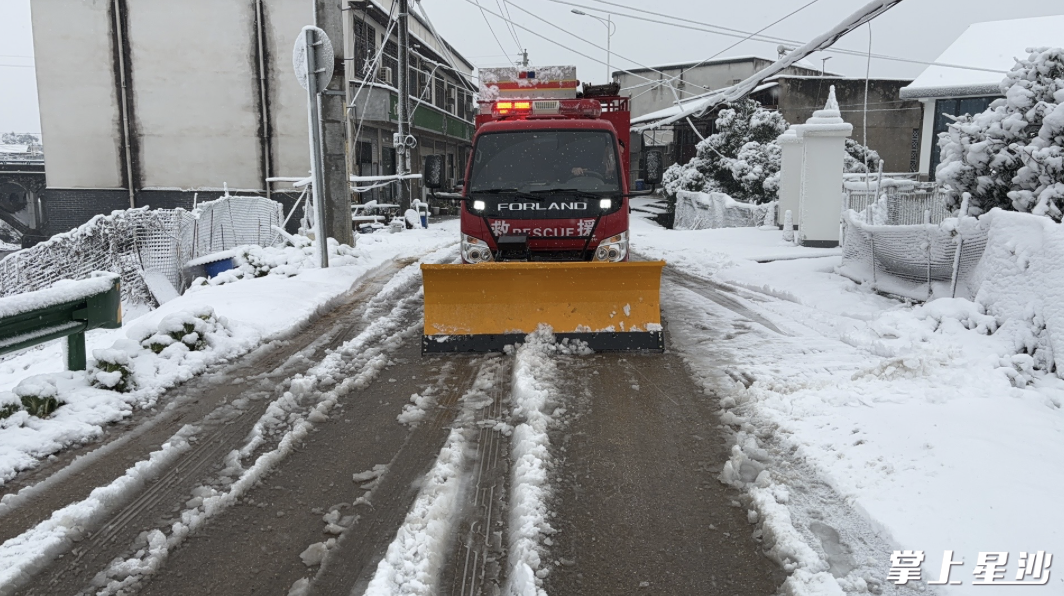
[[743, 158], [14, 138], [858, 156], [1012, 155]]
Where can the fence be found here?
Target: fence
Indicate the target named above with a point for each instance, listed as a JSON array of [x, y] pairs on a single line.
[[920, 262], [701, 211], [895, 202], [133, 242]]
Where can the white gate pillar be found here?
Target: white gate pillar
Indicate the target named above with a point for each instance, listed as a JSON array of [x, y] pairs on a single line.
[[790, 175], [824, 141]]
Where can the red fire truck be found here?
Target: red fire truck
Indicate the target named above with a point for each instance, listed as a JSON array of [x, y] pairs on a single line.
[[545, 222]]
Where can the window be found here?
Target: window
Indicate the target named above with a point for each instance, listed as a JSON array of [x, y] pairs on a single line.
[[944, 108], [391, 60], [363, 156], [439, 100], [365, 49]]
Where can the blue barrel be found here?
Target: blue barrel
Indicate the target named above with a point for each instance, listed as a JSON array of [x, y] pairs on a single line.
[[215, 267], [640, 185]]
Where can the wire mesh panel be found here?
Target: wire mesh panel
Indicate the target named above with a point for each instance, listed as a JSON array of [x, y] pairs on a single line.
[[703, 211], [136, 241], [916, 207], [920, 262], [223, 224]]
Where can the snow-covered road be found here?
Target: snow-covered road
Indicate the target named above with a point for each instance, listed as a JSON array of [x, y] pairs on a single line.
[[335, 459]]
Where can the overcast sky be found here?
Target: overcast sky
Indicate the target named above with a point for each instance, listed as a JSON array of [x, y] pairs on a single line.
[[915, 29]]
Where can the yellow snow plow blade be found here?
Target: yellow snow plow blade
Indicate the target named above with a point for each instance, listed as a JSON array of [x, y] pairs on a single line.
[[484, 307]]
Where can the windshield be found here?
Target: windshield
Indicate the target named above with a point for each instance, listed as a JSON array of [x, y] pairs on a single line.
[[544, 160]]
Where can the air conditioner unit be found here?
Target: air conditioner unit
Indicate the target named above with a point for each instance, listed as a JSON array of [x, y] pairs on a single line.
[[452, 95], [384, 75]]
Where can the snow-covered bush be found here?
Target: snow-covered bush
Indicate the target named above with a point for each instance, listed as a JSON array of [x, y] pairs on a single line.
[[111, 371], [1012, 155], [190, 329], [39, 397], [9, 404], [743, 158]]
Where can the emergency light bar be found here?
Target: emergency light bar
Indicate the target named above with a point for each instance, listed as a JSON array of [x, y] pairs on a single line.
[[587, 108]]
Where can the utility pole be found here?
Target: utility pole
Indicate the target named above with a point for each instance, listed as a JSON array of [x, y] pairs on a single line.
[[524, 58], [336, 194], [402, 147]]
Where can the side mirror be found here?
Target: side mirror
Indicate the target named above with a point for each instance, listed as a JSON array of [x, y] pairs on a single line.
[[432, 173], [654, 168]]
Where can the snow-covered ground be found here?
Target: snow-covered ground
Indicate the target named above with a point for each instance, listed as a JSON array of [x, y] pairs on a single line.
[[930, 426], [248, 313], [927, 420]]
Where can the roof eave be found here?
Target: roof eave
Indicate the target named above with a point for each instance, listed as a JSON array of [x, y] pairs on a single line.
[[977, 90]]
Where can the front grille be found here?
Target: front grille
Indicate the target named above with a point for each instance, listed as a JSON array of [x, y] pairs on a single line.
[[559, 255]]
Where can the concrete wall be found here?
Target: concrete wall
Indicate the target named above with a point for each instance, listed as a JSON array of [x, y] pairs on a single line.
[[196, 107], [891, 122], [195, 93], [76, 93], [288, 101]]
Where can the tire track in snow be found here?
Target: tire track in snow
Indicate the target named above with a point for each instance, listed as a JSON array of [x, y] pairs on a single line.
[[417, 556], [256, 376], [351, 565], [478, 555], [122, 528]]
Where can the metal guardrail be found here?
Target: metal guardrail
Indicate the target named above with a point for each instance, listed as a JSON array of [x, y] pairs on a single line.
[[70, 319]]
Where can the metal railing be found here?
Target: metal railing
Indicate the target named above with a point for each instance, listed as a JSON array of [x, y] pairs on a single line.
[[68, 309]]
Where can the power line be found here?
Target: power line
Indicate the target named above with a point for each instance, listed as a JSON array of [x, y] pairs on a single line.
[[746, 35], [559, 44], [563, 30], [483, 13], [503, 9], [773, 23]]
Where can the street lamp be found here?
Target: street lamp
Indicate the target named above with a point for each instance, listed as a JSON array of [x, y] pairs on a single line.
[[610, 30], [824, 66]]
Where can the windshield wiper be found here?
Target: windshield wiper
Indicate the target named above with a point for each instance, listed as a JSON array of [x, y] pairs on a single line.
[[505, 191], [574, 191]]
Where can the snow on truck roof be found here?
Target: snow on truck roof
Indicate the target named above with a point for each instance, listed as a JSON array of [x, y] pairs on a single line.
[[990, 46]]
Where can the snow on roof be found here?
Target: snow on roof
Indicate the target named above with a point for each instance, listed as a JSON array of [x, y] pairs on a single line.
[[991, 46], [691, 105]]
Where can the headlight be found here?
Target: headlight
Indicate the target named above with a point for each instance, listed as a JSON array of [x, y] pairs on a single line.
[[475, 250], [613, 249], [605, 204], [479, 205]]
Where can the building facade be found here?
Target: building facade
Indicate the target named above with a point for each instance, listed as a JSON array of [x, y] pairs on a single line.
[[988, 50], [154, 104], [441, 93]]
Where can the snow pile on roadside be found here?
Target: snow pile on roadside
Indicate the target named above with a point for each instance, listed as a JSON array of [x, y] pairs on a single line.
[[412, 563], [890, 424], [130, 374], [299, 253], [1021, 280], [245, 316]]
